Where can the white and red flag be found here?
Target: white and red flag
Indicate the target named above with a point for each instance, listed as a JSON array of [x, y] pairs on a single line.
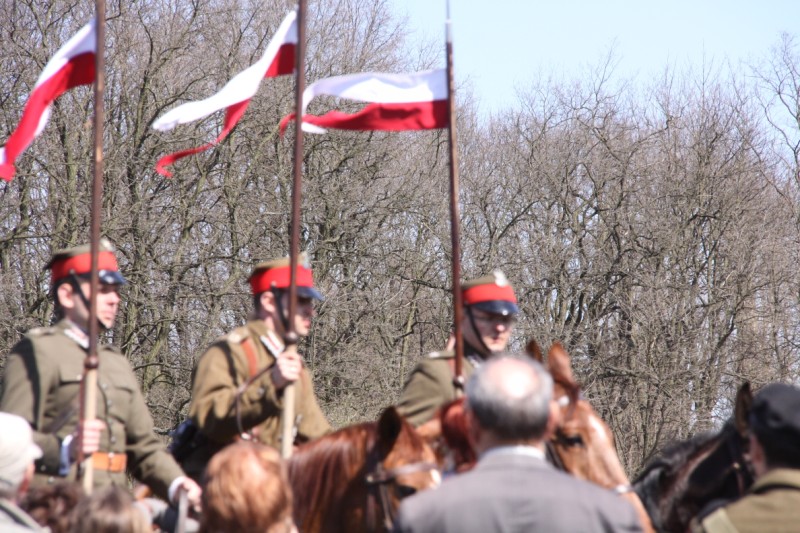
[[278, 59], [395, 102], [71, 66]]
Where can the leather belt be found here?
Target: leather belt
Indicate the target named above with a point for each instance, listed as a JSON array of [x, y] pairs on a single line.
[[111, 462]]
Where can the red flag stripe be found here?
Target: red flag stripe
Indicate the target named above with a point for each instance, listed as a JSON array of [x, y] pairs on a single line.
[[384, 117], [79, 70], [232, 116], [283, 63]]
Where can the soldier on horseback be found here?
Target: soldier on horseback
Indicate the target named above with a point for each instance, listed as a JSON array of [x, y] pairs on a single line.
[[238, 383], [490, 314], [43, 377]]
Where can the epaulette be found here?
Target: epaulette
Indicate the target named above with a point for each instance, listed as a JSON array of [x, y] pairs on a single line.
[[444, 354], [111, 348], [237, 336], [40, 332]]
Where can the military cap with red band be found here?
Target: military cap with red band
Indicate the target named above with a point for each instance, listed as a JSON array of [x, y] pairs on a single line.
[[493, 294], [275, 274], [78, 261]]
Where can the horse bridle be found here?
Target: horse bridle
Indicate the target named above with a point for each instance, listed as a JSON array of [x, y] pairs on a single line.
[[378, 480], [560, 437], [563, 439], [741, 465]]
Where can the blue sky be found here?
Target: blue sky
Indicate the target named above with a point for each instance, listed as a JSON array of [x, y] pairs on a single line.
[[502, 43]]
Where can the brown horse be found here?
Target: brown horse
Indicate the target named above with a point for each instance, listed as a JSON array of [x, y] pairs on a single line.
[[353, 480], [582, 445]]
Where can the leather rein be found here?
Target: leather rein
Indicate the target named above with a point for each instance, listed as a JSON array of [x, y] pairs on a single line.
[[745, 476]]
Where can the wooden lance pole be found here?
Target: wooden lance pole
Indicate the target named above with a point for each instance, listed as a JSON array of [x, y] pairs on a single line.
[[88, 409], [455, 224], [289, 393]]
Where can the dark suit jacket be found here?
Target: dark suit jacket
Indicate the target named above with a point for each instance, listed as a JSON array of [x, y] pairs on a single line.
[[513, 493]]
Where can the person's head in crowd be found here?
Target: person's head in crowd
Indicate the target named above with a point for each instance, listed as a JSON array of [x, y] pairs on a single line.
[[109, 510], [490, 312], [246, 489], [17, 455], [775, 428], [52, 505], [508, 402]]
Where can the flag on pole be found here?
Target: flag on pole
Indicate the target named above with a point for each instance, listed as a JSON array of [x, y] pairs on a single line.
[[73, 65], [278, 59], [395, 102]]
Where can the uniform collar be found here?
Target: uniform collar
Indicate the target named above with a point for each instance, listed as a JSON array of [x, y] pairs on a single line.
[[74, 332], [271, 341], [782, 477], [472, 355]]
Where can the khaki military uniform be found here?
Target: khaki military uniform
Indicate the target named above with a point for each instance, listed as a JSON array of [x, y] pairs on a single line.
[[219, 373], [430, 384], [42, 383], [772, 505]]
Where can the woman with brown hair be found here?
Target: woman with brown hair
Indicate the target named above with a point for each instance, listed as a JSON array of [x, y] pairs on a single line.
[[246, 490], [109, 510]]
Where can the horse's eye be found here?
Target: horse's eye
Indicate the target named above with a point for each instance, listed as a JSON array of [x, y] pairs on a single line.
[[404, 491], [573, 440]]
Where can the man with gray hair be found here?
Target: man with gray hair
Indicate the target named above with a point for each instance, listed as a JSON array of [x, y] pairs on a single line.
[[513, 488], [17, 454]]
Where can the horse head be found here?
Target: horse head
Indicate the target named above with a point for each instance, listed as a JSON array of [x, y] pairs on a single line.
[[699, 474], [582, 443], [352, 480]]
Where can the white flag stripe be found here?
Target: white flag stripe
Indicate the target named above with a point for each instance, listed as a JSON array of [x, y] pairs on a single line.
[[426, 86], [81, 43], [241, 87]]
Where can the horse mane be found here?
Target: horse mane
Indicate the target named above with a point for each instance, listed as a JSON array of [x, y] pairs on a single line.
[[658, 484], [675, 455], [328, 475], [323, 471], [455, 432]]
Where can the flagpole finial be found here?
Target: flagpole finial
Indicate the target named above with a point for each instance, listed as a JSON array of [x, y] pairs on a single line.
[[448, 32]]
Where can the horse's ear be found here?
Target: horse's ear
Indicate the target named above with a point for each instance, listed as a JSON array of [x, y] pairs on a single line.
[[534, 350], [744, 402], [559, 364], [390, 425]]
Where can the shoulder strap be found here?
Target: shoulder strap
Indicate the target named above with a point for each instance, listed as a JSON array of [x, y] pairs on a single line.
[[250, 352], [64, 415]]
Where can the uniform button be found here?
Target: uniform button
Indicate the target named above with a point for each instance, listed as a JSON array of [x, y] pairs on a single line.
[[104, 386], [113, 440], [42, 468], [262, 391]]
